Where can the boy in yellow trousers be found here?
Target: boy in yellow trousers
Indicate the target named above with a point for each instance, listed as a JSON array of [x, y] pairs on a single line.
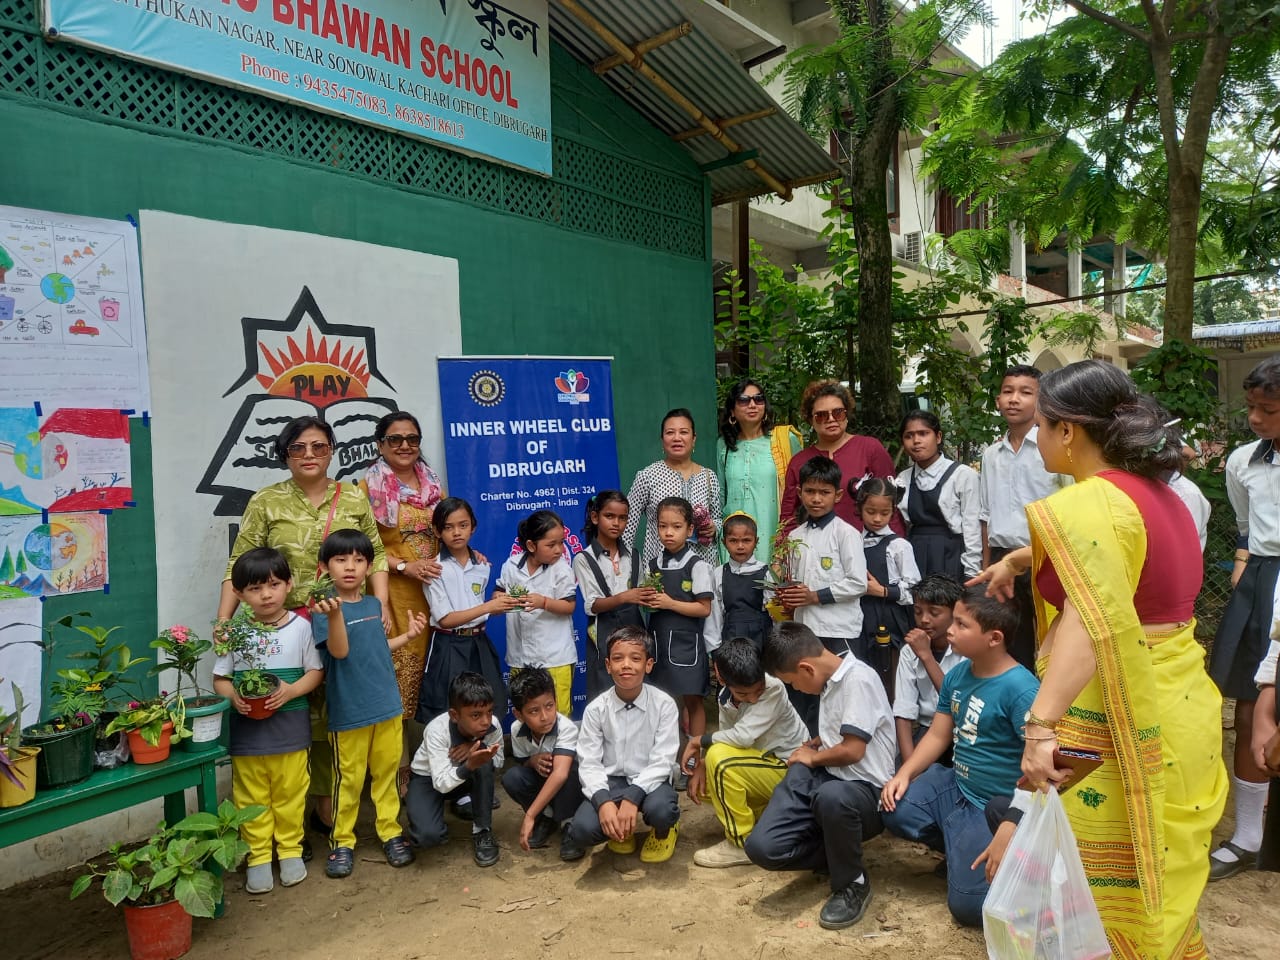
[[365, 712], [745, 759], [269, 757]]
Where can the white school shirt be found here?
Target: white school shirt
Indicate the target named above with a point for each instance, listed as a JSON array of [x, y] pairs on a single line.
[[1253, 487], [618, 582], [540, 638], [637, 741], [770, 725], [914, 695], [561, 740], [853, 702], [1266, 672], [457, 588], [900, 560], [831, 563], [289, 646], [1196, 503], [1008, 482], [713, 626], [432, 756], [959, 501]]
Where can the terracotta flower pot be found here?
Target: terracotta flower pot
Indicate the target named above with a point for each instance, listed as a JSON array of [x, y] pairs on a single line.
[[143, 752], [161, 931], [24, 768], [258, 709]]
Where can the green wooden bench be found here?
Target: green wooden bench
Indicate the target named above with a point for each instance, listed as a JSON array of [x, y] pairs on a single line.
[[107, 791]]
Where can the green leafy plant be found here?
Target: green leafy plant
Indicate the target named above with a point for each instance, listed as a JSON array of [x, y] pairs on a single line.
[[11, 737], [175, 862], [517, 592], [322, 589], [78, 700], [242, 636], [184, 649], [784, 561], [88, 690], [148, 718], [652, 581]]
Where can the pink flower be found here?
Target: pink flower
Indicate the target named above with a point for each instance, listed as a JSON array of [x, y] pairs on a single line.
[[134, 704]]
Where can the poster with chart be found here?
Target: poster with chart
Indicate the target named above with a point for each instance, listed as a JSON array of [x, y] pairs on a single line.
[[71, 323]]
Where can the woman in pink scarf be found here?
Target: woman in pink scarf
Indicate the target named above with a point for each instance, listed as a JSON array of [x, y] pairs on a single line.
[[403, 492]]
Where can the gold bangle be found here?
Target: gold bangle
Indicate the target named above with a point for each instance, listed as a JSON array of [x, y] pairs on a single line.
[[1242, 557], [1052, 736], [1031, 720]]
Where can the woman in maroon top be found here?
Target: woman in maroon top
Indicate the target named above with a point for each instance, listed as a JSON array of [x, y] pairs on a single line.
[[1116, 569], [828, 406]]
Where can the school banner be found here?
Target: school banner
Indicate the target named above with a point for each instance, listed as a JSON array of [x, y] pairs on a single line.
[[526, 434], [472, 75]]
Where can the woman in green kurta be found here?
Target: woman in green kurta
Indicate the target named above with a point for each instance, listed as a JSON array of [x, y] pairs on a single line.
[[751, 460], [294, 516]]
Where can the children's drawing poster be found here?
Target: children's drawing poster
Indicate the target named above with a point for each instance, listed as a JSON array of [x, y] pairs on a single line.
[[20, 656], [22, 486], [86, 459], [71, 322], [65, 554]]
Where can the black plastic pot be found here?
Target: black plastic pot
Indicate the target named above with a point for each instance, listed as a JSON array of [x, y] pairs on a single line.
[[66, 756]]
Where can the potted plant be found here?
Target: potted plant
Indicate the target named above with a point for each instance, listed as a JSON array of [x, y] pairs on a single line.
[[184, 650], [242, 638], [152, 726], [171, 878], [780, 572], [17, 764], [66, 738]]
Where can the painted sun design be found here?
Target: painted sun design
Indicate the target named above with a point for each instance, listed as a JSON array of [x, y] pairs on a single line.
[[317, 363]]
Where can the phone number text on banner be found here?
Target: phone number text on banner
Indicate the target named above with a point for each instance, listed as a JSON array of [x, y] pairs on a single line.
[[522, 435], [473, 75]]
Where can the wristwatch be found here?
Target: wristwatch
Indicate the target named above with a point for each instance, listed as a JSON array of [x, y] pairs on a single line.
[[400, 566]]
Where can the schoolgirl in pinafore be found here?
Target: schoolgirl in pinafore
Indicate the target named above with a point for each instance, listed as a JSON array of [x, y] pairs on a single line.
[[937, 546], [680, 660], [601, 626], [743, 597]]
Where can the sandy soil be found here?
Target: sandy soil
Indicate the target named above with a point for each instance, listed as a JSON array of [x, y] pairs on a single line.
[[532, 905]]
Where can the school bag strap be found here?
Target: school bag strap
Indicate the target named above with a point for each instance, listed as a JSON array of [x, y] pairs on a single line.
[[597, 573]]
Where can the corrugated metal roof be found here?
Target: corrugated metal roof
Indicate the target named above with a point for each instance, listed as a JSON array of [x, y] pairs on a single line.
[[708, 75], [1247, 328]]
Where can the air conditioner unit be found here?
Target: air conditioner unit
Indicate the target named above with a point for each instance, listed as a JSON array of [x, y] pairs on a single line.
[[913, 246]]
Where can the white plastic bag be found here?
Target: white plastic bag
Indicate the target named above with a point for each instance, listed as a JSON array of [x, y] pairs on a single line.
[[1040, 906]]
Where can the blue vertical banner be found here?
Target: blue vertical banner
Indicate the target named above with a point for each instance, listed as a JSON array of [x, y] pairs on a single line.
[[524, 434]]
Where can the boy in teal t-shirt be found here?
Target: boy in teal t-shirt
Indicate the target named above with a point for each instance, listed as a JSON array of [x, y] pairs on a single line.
[[982, 708]]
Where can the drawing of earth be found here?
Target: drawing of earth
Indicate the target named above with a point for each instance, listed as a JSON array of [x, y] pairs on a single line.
[[50, 546], [57, 287]]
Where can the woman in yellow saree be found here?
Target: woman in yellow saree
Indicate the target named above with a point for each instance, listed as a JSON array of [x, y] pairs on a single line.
[[1117, 567]]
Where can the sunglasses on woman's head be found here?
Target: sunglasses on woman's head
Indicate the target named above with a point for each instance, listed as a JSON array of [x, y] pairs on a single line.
[[836, 415], [410, 440], [299, 450], [752, 399]]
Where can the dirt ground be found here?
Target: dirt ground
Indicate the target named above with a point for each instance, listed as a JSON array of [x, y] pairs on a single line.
[[605, 906]]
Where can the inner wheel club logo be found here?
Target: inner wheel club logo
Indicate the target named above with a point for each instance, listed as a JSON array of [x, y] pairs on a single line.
[[572, 385], [486, 388]]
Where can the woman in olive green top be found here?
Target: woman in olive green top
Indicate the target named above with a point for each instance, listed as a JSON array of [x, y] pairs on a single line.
[[294, 516]]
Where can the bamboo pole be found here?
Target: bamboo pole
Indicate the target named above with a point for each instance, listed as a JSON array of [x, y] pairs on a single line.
[[724, 124], [643, 47], [678, 98]]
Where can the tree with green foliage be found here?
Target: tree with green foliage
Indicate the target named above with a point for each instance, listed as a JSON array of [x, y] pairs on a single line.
[[6, 567], [876, 79], [1103, 123], [6, 263]]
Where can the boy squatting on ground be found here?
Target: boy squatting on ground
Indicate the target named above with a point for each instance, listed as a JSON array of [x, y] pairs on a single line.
[[926, 658], [828, 803], [458, 757], [742, 762], [366, 715], [269, 757], [984, 703], [626, 742], [544, 777]]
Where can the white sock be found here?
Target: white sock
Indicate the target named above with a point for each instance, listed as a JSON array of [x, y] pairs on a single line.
[[1251, 801]]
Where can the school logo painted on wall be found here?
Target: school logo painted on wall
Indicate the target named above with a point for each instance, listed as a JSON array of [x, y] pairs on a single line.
[[300, 366], [573, 387], [827, 563], [486, 388]]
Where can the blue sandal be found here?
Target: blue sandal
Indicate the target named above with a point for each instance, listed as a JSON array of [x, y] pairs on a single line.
[[398, 852], [340, 864]]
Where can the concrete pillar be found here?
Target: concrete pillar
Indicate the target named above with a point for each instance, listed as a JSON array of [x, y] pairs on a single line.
[[1018, 258], [1074, 288]]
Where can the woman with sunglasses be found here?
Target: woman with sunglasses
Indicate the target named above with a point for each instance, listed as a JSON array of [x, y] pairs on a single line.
[[295, 516], [403, 491], [828, 406], [751, 460]]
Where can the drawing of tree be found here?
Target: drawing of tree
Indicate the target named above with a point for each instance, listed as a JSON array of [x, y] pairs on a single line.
[[6, 566], [6, 263], [21, 565]]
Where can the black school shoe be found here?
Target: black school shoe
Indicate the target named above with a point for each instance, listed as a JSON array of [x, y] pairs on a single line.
[[540, 835], [846, 907], [484, 848], [570, 849]]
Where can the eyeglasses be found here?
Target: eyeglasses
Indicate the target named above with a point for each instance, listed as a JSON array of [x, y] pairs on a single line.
[[411, 440], [752, 399], [836, 416], [299, 450]]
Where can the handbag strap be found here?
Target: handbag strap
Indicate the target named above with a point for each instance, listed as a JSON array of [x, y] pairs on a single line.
[[333, 508]]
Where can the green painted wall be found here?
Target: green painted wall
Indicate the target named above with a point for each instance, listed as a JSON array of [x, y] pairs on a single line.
[[542, 267]]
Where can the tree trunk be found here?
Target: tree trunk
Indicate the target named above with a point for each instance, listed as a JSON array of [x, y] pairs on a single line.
[[1180, 265]]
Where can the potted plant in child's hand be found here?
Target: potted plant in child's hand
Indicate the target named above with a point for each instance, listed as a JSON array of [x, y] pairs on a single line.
[[184, 650], [243, 637], [17, 764], [171, 878], [322, 589], [151, 726], [781, 572]]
